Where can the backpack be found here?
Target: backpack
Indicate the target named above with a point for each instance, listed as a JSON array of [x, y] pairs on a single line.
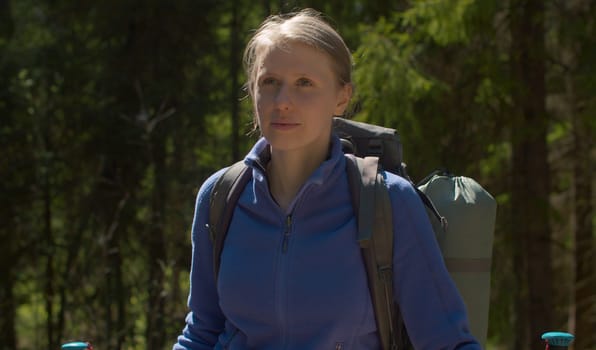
[[370, 149]]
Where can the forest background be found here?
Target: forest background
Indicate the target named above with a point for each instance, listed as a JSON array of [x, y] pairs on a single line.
[[113, 112]]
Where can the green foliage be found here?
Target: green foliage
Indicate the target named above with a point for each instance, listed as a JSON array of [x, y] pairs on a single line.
[[427, 69], [387, 79], [441, 21]]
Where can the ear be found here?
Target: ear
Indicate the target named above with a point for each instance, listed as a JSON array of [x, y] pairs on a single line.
[[343, 98]]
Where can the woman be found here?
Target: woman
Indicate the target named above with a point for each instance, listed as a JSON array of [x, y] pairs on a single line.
[[291, 274]]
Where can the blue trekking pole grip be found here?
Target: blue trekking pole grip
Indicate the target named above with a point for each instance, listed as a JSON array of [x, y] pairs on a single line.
[[77, 345], [557, 340]]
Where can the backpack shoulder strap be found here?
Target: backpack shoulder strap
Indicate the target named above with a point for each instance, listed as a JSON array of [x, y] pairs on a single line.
[[222, 202], [375, 236]]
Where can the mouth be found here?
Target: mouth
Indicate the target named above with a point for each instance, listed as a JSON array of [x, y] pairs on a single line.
[[284, 125]]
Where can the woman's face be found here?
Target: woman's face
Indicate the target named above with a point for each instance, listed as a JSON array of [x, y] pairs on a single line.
[[296, 95]]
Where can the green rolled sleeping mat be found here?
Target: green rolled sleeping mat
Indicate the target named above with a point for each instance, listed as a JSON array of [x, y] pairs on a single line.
[[467, 241]]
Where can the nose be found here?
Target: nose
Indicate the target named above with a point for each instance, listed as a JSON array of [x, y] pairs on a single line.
[[283, 100]]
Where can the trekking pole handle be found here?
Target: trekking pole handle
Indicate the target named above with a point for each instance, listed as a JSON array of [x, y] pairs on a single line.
[[77, 345], [557, 340]]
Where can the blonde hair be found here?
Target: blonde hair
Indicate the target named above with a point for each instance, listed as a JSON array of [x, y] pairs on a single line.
[[306, 26]]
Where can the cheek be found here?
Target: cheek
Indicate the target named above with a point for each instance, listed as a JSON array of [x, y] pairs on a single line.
[[308, 100], [259, 107], [318, 104], [262, 99]]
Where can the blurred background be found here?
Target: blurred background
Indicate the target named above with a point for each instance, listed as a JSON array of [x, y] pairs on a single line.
[[113, 112]]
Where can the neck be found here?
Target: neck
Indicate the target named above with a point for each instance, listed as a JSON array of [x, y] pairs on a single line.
[[288, 171]]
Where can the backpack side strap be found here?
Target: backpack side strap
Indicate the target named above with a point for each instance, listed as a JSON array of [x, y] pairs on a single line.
[[375, 236], [432, 209], [222, 202]]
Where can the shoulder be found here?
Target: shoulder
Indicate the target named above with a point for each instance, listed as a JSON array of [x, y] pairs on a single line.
[[404, 195], [227, 176], [210, 182], [399, 185], [207, 187]]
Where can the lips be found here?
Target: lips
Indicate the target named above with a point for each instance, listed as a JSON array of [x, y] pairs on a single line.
[[284, 125]]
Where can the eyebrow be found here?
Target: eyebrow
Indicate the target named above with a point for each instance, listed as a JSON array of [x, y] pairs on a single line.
[[301, 74]]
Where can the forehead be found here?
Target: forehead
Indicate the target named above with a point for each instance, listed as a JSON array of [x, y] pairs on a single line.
[[293, 57]]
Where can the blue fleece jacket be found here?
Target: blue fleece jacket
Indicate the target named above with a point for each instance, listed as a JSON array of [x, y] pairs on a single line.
[[295, 279]]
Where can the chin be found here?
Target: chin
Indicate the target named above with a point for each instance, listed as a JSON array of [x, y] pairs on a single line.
[[283, 143]]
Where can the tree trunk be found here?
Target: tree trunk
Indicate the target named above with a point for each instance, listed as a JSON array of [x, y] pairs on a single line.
[[583, 320], [120, 294], [7, 232], [157, 249], [585, 262], [115, 294], [235, 64], [7, 300], [49, 246], [530, 172]]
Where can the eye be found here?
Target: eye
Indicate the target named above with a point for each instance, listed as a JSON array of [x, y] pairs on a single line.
[[268, 81], [304, 82]]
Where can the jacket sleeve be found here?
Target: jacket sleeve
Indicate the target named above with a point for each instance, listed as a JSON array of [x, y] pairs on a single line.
[[431, 307], [205, 320]]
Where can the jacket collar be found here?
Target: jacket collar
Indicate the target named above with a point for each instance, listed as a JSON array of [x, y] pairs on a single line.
[[260, 154]]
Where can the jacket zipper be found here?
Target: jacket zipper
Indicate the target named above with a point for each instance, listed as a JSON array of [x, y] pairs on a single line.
[[281, 286], [286, 233]]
